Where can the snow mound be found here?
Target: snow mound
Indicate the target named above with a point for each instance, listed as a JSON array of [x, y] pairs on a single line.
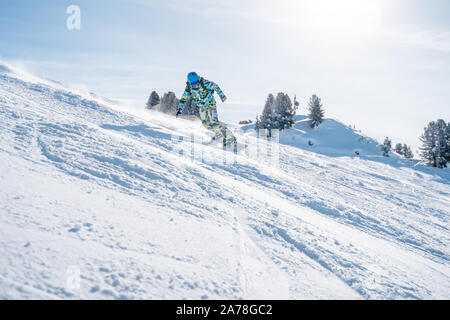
[[97, 203], [331, 138]]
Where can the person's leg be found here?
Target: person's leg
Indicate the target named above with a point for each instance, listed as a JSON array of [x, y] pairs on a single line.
[[203, 117], [210, 121], [219, 127]]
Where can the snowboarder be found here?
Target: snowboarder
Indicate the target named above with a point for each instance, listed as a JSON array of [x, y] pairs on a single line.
[[202, 93]]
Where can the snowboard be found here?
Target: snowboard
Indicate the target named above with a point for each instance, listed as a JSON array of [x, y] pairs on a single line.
[[236, 147]]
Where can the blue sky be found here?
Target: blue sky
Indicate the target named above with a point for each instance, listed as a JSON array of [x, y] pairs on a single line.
[[381, 65]]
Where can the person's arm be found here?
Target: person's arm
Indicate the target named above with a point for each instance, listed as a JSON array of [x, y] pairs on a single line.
[[184, 98], [214, 87]]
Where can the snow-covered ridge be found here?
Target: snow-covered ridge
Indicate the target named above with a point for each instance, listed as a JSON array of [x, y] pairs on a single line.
[[26, 76], [94, 203], [332, 138]]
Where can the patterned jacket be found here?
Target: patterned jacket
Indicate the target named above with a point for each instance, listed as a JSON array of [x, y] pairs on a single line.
[[202, 95]]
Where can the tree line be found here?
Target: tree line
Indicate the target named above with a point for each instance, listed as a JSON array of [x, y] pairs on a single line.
[[279, 112], [169, 104], [435, 145]]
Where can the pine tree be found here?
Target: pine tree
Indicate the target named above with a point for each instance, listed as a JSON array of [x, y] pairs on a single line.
[[428, 143], [266, 120], [316, 113], [267, 116], [441, 143], [153, 100], [407, 152], [399, 149], [386, 147], [169, 103], [284, 112], [435, 144]]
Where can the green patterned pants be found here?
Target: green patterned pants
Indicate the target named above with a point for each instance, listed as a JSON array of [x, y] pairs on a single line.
[[210, 121]]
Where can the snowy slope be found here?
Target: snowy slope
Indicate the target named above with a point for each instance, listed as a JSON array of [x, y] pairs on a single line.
[[331, 138], [91, 190]]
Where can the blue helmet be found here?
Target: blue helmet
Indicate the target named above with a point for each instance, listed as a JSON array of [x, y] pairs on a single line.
[[193, 78]]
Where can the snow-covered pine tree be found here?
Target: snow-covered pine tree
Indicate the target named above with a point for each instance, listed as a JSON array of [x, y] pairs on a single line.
[[428, 144], [386, 147], [316, 113], [153, 100], [267, 115], [441, 143], [441, 162], [399, 149], [266, 121], [169, 103], [435, 144], [284, 112], [407, 152]]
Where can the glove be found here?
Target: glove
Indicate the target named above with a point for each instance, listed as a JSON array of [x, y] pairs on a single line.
[[178, 113], [223, 98]]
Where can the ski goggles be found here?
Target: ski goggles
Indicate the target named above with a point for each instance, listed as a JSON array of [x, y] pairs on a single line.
[[194, 83]]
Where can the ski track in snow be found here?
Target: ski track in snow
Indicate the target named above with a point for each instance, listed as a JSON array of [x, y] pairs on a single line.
[[88, 187]]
